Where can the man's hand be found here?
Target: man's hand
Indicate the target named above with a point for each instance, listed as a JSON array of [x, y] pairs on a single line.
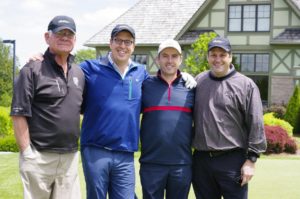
[[247, 171], [189, 80], [36, 57]]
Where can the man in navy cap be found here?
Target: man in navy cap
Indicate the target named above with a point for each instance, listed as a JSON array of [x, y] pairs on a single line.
[[110, 128], [46, 110], [229, 129]]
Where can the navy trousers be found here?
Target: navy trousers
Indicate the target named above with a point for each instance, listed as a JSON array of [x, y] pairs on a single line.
[[109, 173], [217, 176], [173, 181]]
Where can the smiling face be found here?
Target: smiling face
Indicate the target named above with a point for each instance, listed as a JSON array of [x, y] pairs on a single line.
[[62, 42], [219, 61], [169, 61], [122, 47]]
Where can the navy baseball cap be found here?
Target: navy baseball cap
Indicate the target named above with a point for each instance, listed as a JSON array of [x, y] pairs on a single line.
[[220, 42], [122, 27], [62, 22]]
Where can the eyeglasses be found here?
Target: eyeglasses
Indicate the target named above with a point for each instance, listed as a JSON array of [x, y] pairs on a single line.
[[120, 41], [63, 33]]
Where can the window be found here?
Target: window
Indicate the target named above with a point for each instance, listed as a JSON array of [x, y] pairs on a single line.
[[253, 62], [142, 59], [245, 18], [262, 83]]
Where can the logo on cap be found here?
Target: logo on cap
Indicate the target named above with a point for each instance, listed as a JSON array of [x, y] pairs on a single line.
[[62, 22]]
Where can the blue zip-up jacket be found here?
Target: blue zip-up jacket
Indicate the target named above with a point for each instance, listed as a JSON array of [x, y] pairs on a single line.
[[166, 128], [112, 105]]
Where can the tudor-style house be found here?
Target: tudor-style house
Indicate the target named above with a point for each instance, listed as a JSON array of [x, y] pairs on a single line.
[[265, 36]]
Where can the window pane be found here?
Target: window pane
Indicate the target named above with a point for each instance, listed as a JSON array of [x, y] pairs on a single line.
[[249, 25], [235, 25], [249, 11], [249, 18], [263, 11], [262, 62], [235, 14], [247, 64], [262, 83], [237, 58], [263, 20], [263, 24]]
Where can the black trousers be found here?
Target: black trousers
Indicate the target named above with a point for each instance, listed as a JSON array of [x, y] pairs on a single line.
[[218, 174]]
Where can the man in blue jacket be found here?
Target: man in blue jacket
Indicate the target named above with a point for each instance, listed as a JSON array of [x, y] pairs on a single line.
[[110, 128], [166, 129]]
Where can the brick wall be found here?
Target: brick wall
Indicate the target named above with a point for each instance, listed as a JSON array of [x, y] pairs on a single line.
[[281, 89]]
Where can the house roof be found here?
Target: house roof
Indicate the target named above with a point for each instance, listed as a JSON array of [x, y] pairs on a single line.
[[153, 21], [157, 20], [288, 36], [192, 35]]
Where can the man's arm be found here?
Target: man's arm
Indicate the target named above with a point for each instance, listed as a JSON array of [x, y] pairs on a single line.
[[21, 132]]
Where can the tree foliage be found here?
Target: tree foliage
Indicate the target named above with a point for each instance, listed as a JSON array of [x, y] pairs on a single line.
[[292, 114], [6, 69], [84, 54], [196, 62]]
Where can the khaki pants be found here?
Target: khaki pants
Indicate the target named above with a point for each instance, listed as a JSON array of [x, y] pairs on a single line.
[[49, 175]]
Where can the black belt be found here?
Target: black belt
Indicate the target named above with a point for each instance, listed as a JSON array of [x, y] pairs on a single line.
[[217, 153]]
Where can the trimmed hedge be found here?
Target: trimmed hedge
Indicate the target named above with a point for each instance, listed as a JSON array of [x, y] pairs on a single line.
[[270, 120], [6, 126], [278, 141], [8, 143]]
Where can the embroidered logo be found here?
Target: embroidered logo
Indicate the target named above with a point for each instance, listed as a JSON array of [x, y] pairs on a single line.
[[75, 80]]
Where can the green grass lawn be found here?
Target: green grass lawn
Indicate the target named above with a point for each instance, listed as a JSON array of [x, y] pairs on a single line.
[[277, 177]]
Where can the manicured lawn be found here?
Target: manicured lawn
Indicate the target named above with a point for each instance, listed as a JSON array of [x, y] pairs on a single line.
[[277, 177]]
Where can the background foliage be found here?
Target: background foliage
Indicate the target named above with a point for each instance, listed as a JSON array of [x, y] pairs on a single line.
[[6, 70], [196, 61], [292, 114], [278, 141], [271, 120], [85, 54]]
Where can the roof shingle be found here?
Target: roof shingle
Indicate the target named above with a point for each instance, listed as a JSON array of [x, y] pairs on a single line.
[[153, 21], [288, 36]]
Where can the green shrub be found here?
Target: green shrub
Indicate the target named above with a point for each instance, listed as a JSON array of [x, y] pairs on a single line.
[[8, 143], [6, 127], [292, 114], [270, 120]]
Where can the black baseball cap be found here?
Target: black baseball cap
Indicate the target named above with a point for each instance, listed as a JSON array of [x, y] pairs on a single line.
[[122, 27], [62, 22], [220, 42]]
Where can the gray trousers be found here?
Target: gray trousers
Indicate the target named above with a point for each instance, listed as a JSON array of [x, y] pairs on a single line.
[[49, 175]]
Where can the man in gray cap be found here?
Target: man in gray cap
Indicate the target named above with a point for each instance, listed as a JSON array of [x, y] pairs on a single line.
[[229, 128], [46, 110]]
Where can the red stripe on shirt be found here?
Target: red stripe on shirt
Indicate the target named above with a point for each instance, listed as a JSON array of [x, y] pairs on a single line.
[[167, 108]]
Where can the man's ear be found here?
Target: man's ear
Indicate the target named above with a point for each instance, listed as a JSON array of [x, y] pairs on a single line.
[[47, 36]]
